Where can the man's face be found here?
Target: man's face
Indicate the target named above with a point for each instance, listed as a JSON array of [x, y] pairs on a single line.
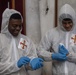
[[15, 26], [67, 24]]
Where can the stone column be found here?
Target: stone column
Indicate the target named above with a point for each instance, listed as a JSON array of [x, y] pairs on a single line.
[[32, 21]]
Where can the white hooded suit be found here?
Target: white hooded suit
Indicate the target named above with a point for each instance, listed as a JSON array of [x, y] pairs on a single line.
[[10, 51], [50, 43]]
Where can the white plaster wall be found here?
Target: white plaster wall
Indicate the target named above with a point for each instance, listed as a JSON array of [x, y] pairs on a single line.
[[32, 20], [46, 19], [37, 21]]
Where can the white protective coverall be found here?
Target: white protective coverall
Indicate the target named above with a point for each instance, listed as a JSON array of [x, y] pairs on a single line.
[[10, 53], [50, 43]]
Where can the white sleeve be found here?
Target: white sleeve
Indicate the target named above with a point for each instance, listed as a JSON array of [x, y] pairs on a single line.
[[72, 57], [44, 48]]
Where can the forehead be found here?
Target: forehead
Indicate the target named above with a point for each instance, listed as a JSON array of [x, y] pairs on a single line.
[[15, 20], [15, 16], [66, 20]]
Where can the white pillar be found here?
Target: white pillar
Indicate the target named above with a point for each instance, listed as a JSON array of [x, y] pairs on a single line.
[[46, 17], [32, 20]]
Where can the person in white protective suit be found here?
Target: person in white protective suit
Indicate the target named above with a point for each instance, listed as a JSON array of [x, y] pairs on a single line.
[[17, 51], [59, 44]]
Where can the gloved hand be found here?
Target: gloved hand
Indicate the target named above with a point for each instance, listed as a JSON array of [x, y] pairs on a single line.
[[23, 61], [36, 63], [59, 57], [63, 50]]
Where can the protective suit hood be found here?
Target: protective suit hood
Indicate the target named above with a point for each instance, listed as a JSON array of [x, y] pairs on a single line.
[[5, 19], [13, 48], [67, 12]]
